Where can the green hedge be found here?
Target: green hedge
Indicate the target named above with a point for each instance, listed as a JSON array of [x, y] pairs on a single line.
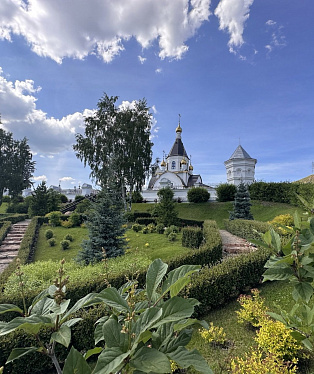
[[26, 251], [4, 229], [14, 218], [214, 286], [192, 237], [190, 222], [246, 229], [145, 220]]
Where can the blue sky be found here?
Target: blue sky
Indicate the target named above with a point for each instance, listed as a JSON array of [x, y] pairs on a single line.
[[236, 71]]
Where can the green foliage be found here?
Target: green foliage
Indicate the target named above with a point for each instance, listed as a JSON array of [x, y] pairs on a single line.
[[136, 227], [171, 228], [198, 195], [151, 227], [52, 242], [242, 204], [83, 206], [226, 192], [137, 197], [214, 335], [16, 164], [65, 244], [54, 218], [160, 228], [192, 237], [48, 234], [105, 229], [4, 229], [6, 199], [253, 309], [63, 199], [246, 229], [75, 218], [66, 224], [43, 200], [172, 236], [165, 210], [282, 220], [145, 230], [68, 237], [145, 220]]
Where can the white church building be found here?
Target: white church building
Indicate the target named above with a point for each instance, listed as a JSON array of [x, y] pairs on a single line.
[[176, 171]]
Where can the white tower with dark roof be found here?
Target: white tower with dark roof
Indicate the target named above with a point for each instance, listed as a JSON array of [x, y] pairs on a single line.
[[240, 167]]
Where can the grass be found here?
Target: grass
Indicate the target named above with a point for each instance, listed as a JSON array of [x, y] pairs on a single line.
[[56, 253], [3, 207], [262, 211]]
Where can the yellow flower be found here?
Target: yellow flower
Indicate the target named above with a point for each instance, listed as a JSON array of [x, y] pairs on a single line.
[[146, 245]]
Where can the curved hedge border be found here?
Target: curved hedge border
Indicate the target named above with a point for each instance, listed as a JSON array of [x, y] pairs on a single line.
[[246, 229], [15, 218], [4, 229], [25, 253]]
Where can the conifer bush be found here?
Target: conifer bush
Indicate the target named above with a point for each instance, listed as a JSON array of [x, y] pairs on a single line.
[[69, 237], [242, 204], [65, 244], [48, 234], [52, 242]]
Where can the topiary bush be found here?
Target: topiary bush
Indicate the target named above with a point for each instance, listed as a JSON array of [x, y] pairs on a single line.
[[226, 192], [48, 234], [246, 229], [172, 236], [76, 219], [52, 242], [192, 237], [54, 218], [198, 195], [65, 244], [160, 229], [69, 237], [136, 227], [66, 224]]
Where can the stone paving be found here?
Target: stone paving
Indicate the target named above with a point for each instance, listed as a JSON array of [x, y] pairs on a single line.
[[11, 244], [233, 245]]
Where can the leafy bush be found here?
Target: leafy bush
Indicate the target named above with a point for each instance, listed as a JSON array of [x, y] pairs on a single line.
[[48, 234], [137, 197], [226, 192], [145, 230], [192, 237], [214, 335], [151, 227], [282, 220], [76, 219], [65, 244], [198, 195], [136, 227], [63, 199], [69, 237], [145, 220], [172, 236], [54, 218], [160, 228], [5, 227], [171, 229], [6, 199], [66, 224], [52, 242], [246, 229], [253, 309]]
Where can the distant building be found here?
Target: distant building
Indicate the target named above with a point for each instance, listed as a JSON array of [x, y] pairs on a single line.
[[175, 171], [70, 193], [240, 167]]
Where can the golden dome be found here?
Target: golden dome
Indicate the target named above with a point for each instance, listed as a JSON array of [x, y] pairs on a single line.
[[190, 167], [183, 162], [179, 129], [163, 163]]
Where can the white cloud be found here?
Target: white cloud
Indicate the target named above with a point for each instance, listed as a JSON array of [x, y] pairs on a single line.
[[19, 114], [232, 15], [67, 179], [270, 22], [141, 59], [59, 29], [158, 71], [40, 178], [278, 39]]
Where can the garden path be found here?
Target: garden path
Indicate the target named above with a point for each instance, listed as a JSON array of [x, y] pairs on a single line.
[[11, 244], [232, 245]]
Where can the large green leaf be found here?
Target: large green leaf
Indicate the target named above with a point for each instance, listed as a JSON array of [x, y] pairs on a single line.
[[75, 363], [180, 340], [111, 297], [185, 359], [111, 330], [278, 273], [19, 352], [62, 336], [91, 352], [110, 360], [10, 308], [174, 310], [31, 324], [60, 308], [87, 300], [189, 322], [36, 299], [303, 291], [43, 306], [178, 279], [72, 322], [151, 360], [275, 240], [156, 271], [146, 320]]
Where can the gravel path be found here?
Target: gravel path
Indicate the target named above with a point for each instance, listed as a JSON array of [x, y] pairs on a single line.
[[232, 244]]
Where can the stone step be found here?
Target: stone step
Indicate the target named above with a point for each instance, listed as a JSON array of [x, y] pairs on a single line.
[[9, 256], [10, 247], [11, 242]]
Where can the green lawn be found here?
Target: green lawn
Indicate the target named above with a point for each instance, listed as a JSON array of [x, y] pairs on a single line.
[[3, 207], [262, 211]]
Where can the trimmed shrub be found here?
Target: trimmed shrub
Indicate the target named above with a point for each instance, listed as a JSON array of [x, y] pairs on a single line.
[[137, 197], [65, 244], [246, 229], [69, 237], [198, 195], [172, 236], [160, 228], [190, 222], [226, 192], [151, 227], [145, 220], [136, 227], [75, 219], [48, 234], [14, 218], [5, 227], [192, 237], [54, 218], [145, 230], [52, 242], [66, 224]]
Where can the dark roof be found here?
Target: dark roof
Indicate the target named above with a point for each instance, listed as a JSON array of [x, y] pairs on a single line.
[[193, 179], [240, 153], [152, 181], [178, 149]]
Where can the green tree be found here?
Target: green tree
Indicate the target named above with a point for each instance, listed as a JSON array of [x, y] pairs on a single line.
[[16, 165], [165, 210], [226, 192], [119, 134], [242, 203], [198, 195], [43, 200], [105, 221]]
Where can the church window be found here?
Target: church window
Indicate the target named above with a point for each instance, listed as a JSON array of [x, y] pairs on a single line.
[[238, 171], [173, 165]]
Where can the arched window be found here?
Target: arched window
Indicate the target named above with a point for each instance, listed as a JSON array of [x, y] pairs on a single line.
[[173, 165]]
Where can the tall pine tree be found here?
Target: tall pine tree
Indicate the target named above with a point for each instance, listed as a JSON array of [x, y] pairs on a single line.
[[105, 228], [242, 203]]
